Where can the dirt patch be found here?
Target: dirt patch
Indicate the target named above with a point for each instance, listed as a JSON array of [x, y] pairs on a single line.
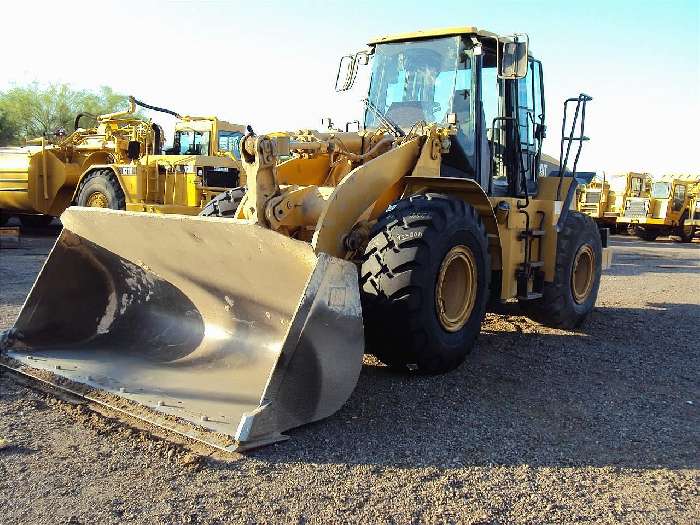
[[539, 425]]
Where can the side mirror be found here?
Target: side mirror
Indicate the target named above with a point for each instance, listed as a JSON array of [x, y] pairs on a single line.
[[513, 64], [346, 73], [540, 131], [328, 123], [347, 69]]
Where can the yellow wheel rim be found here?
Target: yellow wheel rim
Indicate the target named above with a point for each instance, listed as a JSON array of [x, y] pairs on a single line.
[[455, 291], [582, 273], [98, 200]]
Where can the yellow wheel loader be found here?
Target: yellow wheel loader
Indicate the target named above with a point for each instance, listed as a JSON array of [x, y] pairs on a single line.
[[390, 240], [119, 163]]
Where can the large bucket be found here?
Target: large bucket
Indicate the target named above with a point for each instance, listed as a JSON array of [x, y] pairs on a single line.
[[221, 324]]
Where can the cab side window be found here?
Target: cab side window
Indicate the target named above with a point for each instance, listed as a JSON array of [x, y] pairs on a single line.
[[678, 197]]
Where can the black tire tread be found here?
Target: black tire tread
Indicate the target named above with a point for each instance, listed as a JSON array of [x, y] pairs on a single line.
[[394, 259], [682, 237], [555, 307], [110, 180], [647, 235], [35, 221], [224, 204]]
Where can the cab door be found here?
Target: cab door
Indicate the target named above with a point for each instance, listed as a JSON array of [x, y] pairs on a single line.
[[678, 202]]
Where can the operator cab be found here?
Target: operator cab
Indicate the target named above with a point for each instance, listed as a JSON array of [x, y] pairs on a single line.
[[193, 136], [458, 77]]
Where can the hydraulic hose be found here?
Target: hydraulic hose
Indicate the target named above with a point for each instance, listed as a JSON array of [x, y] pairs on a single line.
[[155, 108], [76, 122]]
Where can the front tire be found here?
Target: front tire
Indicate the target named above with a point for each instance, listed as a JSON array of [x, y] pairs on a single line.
[[425, 283], [224, 204], [35, 221], [647, 235], [567, 301], [685, 233], [101, 189]]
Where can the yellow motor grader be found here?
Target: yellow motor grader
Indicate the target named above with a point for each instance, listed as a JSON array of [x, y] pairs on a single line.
[[119, 163], [390, 240]]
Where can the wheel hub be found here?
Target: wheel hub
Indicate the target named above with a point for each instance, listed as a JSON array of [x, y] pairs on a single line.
[[582, 273], [455, 291], [98, 200]]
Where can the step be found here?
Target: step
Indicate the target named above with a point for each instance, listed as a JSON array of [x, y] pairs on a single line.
[[524, 234], [532, 264], [530, 296]]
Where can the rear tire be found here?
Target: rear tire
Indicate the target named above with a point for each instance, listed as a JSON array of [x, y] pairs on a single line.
[[567, 301], [101, 189], [35, 221], [685, 233], [224, 204], [425, 283]]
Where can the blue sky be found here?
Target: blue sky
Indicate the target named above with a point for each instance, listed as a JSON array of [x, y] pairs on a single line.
[[272, 64]]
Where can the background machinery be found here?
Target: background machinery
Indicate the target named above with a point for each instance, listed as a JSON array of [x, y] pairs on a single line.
[[119, 163], [390, 240], [604, 198], [693, 220], [665, 210]]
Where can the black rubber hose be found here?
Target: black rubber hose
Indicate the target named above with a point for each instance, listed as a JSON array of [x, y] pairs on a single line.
[[76, 122], [155, 108]]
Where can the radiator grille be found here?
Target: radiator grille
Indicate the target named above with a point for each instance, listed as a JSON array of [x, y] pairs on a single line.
[[635, 209]]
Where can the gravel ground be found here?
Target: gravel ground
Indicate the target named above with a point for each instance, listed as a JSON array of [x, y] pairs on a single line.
[[540, 425]]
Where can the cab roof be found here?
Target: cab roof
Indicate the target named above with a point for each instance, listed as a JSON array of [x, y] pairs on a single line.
[[433, 33]]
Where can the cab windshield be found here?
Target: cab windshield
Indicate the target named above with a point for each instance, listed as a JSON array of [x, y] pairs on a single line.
[[636, 187], [661, 190], [190, 142], [415, 81]]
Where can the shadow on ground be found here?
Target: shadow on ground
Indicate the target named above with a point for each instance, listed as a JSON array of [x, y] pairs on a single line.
[[632, 257], [661, 242], [545, 398]]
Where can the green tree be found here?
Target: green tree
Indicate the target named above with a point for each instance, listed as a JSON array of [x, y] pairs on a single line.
[[9, 131], [32, 111]]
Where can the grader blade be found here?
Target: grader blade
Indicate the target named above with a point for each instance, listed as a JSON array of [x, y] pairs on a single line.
[[221, 324]]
